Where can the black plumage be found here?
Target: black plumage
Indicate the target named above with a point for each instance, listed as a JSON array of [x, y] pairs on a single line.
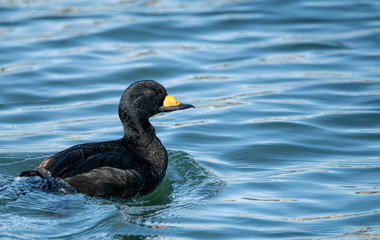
[[127, 167]]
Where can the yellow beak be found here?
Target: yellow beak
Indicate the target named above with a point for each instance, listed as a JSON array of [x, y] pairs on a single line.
[[171, 104], [170, 101]]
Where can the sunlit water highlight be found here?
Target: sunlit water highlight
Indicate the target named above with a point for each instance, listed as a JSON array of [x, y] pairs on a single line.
[[284, 141]]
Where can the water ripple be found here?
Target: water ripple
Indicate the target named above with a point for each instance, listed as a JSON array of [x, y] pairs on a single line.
[[283, 142]]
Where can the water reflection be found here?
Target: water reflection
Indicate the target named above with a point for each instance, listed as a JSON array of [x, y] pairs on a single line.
[[335, 216], [22, 67]]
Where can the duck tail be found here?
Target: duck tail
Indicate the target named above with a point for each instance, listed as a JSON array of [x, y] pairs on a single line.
[[31, 173], [43, 173]]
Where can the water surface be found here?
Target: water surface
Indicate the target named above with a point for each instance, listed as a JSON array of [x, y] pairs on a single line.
[[284, 141]]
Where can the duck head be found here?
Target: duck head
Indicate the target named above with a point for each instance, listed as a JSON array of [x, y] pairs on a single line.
[[143, 99]]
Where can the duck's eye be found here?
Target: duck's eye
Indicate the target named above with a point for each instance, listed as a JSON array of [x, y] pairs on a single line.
[[150, 93]]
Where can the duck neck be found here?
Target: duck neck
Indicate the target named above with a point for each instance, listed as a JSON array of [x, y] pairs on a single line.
[[141, 136], [134, 129]]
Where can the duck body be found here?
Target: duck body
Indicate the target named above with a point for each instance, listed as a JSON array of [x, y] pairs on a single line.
[[114, 168], [128, 167]]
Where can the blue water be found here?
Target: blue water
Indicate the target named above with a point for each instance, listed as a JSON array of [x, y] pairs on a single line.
[[284, 141]]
